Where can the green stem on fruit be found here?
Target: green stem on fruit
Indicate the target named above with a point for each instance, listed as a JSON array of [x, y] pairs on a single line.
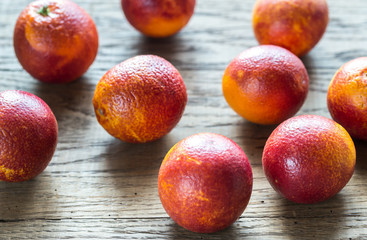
[[44, 11]]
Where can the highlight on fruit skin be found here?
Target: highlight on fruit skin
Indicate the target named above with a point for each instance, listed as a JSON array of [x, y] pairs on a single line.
[[141, 99], [297, 25], [205, 182], [309, 158], [347, 97], [158, 18], [28, 135], [265, 84], [55, 41]]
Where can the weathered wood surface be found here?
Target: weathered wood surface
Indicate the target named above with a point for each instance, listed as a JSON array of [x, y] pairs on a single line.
[[97, 187]]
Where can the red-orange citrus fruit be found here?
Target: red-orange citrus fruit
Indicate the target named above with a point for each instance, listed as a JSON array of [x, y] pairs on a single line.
[[205, 182], [55, 41], [265, 84], [347, 97], [309, 158], [28, 135], [158, 18], [297, 25], [141, 99]]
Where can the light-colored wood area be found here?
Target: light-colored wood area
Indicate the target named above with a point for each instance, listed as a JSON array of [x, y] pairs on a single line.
[[97, 187]]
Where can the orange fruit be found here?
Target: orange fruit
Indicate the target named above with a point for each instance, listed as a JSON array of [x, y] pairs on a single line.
[[141, 99], [55, 41], [158, 18], [309, 158], [28, 135], [297, 25], [347, 97], [205, 182], [265, 84]]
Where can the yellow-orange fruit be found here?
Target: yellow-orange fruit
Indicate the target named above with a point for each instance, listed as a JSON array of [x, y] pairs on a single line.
[[297, 25], [265, 84], [55, 41], [205, 182], [347, 97], [309, 158], [141, 99], [28, 135], [158, 18]]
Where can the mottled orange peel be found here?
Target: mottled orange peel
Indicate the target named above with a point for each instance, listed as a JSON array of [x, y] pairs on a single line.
[[309, 158], [158, 18], [205, 182], [347, 97], [141, 99], [28, 135], [297, 25], [265, 84], [56, 47]]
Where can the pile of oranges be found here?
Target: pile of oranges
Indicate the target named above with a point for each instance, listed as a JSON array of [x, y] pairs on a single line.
[[205, 180]]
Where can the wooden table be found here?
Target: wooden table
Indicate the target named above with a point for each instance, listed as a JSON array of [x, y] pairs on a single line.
[[97, 187]]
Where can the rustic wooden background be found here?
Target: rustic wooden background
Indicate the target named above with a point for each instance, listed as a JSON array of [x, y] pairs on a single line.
[[97, 187]]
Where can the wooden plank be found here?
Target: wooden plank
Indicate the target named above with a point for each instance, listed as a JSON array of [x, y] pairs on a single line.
[[164, 228], [116, 188]]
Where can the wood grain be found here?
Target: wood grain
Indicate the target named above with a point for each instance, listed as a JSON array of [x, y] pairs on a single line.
[[97, 187]]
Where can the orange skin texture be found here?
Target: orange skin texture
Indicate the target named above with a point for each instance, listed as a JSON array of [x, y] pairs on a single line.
[[141, 99], [28, 135], [158, 18], [309, 158], [297, 25], [58, 47], [347, 97], [265, 84], [205, 182]]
